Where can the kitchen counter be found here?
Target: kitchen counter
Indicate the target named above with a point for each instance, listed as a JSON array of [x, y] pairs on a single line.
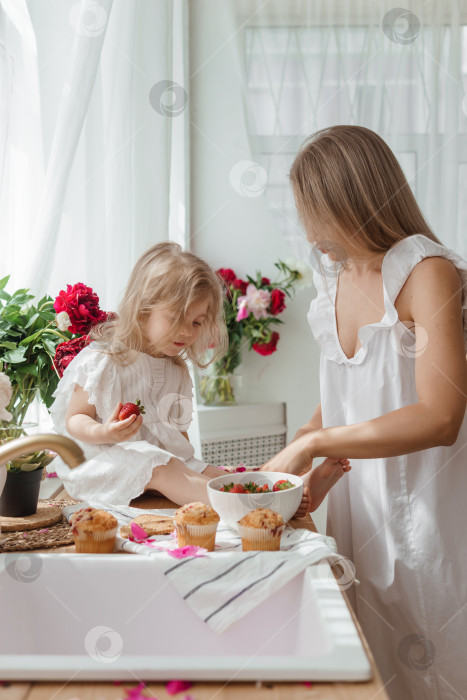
[[200, 690]]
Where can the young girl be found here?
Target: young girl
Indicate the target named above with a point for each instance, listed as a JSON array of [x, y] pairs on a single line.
[[389, 317], [171, 310]]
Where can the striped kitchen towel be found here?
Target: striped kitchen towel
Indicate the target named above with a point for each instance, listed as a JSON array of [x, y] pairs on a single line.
[[223, 586]]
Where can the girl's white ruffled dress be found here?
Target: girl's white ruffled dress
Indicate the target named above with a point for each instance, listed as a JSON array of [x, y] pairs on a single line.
[[115, 474], [401, 520]]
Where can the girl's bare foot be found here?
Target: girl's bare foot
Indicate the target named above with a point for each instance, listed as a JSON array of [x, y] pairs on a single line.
[[322, 478], [305, 504]]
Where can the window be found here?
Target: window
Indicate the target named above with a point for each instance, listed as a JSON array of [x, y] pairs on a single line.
[[300, 79]]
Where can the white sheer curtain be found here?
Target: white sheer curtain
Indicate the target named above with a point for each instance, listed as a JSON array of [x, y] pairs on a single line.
[[94, 141], [111, 97], [314, 63], [21, 153]]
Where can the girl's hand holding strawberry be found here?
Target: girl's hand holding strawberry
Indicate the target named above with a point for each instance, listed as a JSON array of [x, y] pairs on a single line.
[[115, 429]]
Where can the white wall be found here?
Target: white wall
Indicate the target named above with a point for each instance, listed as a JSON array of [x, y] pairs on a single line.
[[230, 230]]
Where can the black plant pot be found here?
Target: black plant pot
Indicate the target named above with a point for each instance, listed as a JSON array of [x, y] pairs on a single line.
[[20, 493]]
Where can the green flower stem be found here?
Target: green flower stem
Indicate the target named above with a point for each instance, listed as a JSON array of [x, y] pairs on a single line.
[[53, 331], [217, 389]]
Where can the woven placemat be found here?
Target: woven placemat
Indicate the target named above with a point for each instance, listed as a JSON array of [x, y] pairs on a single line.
[[46, 515], [53, 536]]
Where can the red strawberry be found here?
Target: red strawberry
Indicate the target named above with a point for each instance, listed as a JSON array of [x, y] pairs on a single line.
[[130, 409], [238, 488], [282, 484]]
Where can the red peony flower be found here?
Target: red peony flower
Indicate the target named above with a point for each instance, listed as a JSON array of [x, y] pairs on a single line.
[[226, 274], [267, 348], [241, 285], [265, 281], [277, 302], [81, 305], [65, 352]]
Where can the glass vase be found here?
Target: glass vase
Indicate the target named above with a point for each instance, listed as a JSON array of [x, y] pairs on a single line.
[[219, 389]]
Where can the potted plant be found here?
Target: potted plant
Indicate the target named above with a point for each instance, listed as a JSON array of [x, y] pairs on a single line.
[[30, 336]]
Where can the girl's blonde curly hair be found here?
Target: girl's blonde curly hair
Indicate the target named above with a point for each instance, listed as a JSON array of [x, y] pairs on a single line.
[[169, 278]]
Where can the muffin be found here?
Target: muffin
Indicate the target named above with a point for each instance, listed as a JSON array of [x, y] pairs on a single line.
[[94, 530], [196, 523], [261, 529]]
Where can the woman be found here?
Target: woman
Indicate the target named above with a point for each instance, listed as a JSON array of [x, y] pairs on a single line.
[[389, 318]]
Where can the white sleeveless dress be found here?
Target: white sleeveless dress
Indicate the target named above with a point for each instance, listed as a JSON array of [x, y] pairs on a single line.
[[401, 520], [115, 474]]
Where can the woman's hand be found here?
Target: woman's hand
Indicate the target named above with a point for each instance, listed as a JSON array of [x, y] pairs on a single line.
[[296, 458], [114, 430]]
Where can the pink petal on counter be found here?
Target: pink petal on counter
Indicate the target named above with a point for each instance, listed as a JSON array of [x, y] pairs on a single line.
[[136, 693], [138, 532], [189, 550], [174, 687]]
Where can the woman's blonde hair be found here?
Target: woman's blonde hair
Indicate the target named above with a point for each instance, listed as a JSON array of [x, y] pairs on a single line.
[[168, 278], [346, 178]]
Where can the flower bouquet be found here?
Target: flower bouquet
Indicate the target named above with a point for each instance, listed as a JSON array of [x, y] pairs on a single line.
[[35, 343], [251, 310]]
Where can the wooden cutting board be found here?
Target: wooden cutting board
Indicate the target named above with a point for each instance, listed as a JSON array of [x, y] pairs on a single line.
[[46, 515]]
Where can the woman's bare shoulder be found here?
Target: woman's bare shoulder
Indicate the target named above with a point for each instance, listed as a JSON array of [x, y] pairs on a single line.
[[434, 274]]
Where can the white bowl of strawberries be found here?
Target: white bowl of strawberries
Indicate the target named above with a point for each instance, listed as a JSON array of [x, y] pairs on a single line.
[[234, 495]]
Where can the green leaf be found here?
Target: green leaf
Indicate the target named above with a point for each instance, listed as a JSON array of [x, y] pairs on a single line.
[[28, 369], [50, 345], [30, 467], [4, 281], [8, 344], [32, 320], [30, 338], [14, 356]]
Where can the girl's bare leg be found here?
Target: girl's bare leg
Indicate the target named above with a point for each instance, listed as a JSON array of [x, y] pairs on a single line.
[[322, 478], [178, 483]]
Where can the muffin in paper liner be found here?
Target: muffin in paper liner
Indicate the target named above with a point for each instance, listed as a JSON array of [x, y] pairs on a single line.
[[261, 529], [95, 542], [200, 535], [94, 531], [254, 539], [196, 524]]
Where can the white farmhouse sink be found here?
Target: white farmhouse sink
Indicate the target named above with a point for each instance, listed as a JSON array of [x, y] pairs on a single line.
[[116, 617]]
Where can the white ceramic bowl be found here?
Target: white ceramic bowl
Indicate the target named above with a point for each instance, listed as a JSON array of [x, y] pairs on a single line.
[[231, 507]]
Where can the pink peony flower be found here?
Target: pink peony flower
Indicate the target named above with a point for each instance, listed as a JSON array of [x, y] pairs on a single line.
[[255, 301], [242, 309]]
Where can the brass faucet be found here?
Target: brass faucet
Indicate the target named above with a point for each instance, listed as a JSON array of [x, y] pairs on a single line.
[[68, 450]]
